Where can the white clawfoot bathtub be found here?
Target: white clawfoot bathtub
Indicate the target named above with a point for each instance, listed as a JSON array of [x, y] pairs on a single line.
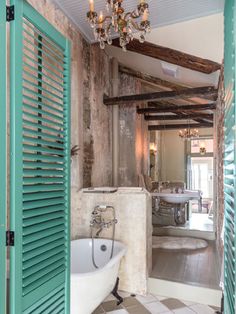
[[90, 285]]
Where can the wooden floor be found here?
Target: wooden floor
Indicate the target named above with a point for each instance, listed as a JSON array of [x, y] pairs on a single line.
[[198, 267]]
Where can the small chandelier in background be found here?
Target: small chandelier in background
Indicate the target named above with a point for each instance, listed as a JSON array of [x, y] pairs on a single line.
[[125, 24], [188, 134]]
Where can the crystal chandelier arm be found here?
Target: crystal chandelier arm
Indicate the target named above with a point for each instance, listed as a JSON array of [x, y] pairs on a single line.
[[132, 14], [107, 17], [136, 26]]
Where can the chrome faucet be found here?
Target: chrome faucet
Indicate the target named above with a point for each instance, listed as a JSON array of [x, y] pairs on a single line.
[[97, 221]]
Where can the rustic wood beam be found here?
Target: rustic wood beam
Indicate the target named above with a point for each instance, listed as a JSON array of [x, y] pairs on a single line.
[[207, 92], [177, 108], [172, 56], [179, 117], [179, 126], [150, 79]]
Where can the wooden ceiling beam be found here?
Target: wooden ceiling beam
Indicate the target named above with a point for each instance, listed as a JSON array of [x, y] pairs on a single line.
[[179, 126], [177, 108], [179, 117], [149, 79], [207, 92], [171, 55]]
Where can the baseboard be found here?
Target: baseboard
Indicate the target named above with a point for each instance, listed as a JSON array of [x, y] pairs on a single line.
[[185, 292]]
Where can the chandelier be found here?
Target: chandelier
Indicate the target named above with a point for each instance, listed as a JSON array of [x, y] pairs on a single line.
[[188, 134], [125, 24]]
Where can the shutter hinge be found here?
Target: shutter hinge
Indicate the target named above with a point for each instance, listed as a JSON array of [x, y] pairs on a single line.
[[10, 13], [10, 238]]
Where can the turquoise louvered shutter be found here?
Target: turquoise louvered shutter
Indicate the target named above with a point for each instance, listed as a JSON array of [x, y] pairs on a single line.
[[3, 206], [230, 160], [40, 165]]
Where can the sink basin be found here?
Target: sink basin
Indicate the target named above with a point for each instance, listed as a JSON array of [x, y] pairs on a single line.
[[178, 198]]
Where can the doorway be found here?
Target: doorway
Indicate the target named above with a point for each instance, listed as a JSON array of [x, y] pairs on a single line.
[[201, 178]]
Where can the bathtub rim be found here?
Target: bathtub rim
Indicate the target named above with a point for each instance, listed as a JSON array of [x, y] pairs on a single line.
[[111, 262]]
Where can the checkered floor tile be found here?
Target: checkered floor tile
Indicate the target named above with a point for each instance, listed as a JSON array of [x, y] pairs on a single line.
[[151, 304]]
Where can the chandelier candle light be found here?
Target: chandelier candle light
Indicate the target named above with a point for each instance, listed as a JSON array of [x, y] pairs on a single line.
[[188, 134], [125, 24]]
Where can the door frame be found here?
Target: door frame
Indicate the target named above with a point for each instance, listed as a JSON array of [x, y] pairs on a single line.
[[3, 159]]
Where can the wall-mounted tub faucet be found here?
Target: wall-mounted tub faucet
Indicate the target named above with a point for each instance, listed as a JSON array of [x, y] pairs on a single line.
[[99, 222]]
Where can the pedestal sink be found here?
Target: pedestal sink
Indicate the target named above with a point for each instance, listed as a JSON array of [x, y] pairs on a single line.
[[178, 198]]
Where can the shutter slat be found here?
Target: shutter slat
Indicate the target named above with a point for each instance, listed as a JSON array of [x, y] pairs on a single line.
[[41, 149], [44, 127], [30, 69], [41, 227], [35, 157], [43, 203], [42, 218], [38, 281], [55, 117], [37, 180], [28, 132], [46, 39], [43, 82], [42, 242], [42, 187], [43, 165], [43, 172], [41, 211], [41, 265], [44, 53], [47, 246], [42, 234], [43, 120], [47, 302], [42, 196], [53, 108], [33, 140], [59, 72], [51, 101]]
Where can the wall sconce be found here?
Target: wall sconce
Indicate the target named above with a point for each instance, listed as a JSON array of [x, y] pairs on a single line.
[[153, 148], [202, 148]]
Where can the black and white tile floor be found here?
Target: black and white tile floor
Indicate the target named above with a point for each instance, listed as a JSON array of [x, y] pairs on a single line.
[[151, 304]]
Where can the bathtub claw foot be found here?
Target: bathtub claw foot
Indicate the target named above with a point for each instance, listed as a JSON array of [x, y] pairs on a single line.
[[116, 294]]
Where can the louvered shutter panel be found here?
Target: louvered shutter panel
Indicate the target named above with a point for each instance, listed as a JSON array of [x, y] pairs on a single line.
[[40, 165], [3, 132], [230, 159]]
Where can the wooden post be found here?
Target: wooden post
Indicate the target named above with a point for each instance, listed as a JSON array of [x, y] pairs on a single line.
[[115, 125]]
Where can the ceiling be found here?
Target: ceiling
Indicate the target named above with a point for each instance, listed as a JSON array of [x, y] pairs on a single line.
[[162, 12], [190, 26]]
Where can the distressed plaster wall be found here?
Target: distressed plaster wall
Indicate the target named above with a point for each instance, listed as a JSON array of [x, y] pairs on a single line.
[[133, 136]]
